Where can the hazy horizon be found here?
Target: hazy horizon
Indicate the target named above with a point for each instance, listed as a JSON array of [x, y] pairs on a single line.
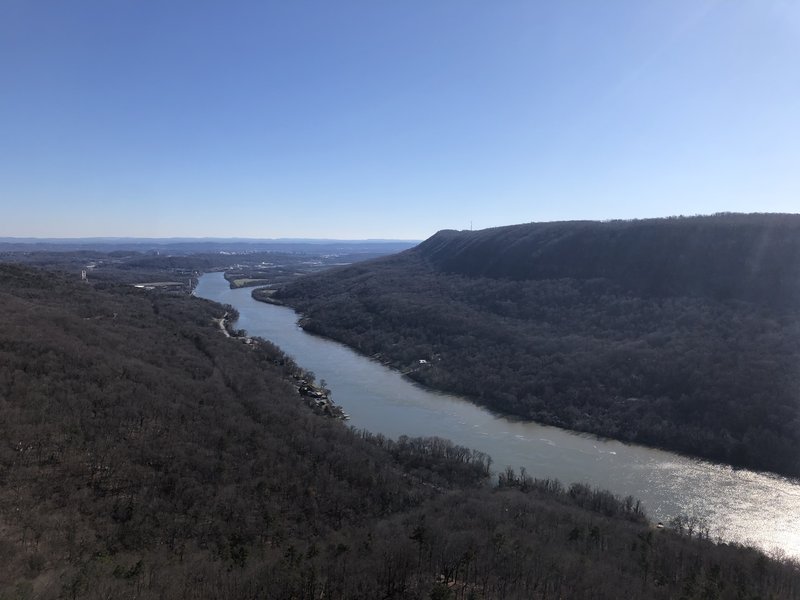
[[358, 120], [210, 239], [313, 240]]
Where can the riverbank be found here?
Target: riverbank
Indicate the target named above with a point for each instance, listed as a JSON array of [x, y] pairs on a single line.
[[426, 370], [317, 398]]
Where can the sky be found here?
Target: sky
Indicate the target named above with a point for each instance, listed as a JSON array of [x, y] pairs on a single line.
[[391, 119]]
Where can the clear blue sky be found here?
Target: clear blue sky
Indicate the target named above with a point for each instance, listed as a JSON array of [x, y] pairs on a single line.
[[391, 119]]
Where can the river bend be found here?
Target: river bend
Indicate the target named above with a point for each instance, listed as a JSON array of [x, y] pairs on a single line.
[[743, 506]]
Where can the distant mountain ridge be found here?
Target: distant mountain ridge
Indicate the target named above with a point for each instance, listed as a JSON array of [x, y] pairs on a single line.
[[195, 245]]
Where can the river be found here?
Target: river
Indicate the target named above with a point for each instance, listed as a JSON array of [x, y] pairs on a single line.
[[738, 505]]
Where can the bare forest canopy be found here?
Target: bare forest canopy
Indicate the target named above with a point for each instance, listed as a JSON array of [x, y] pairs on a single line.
[[145, 454], [682, 333], [181, 267]]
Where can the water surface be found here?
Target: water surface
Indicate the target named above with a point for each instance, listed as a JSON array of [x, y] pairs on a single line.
[[739, 505]]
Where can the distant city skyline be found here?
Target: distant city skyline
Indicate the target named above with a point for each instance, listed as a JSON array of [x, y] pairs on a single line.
[[363, 120]]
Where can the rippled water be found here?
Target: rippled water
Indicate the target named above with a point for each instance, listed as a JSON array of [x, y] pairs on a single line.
[[739, 505]]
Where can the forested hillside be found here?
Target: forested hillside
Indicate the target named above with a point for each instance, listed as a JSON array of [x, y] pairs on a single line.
[[682, 333], [726, 257], [145, 455]]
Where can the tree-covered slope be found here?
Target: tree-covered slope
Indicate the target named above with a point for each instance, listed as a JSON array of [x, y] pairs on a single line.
[[682, 333], [145, 455], [140, 447], [731, 256]]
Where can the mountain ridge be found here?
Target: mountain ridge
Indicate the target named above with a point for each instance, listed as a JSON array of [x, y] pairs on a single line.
[[697, 319], [666, 249]]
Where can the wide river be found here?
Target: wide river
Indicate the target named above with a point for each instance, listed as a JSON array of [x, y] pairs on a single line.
[[760, 509]]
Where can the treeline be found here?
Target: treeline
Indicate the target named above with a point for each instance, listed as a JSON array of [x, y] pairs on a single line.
[[679, 333], [145, 455]]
